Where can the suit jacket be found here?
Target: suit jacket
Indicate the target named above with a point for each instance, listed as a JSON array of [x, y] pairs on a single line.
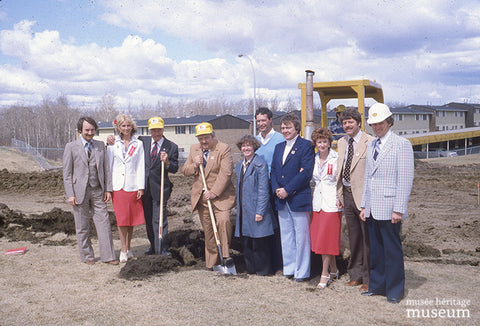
[[153, 169], [128, 173], [218, 174], [357, 169], [75, 169], [388, 179], [294, 175], [255, 194]]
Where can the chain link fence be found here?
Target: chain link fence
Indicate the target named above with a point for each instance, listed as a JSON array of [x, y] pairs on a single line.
[[48, 158]]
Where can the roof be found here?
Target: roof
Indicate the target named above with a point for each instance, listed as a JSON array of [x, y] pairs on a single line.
[[181, 121]]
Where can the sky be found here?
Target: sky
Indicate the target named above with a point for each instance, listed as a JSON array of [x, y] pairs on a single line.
[[141, 52]]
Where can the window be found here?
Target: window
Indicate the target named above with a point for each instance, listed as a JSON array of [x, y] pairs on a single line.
[[180, 130], [399, 117], [425, 117], [417, 117], [191, 130]]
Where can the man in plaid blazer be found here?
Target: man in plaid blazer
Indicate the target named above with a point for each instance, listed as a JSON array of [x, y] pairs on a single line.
[[387, 187]]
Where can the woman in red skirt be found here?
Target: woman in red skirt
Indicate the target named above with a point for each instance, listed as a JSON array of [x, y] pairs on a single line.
[[127, 163], [326, 222]]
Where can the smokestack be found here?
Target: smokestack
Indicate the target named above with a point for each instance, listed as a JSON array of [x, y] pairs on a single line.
[[309, 127]]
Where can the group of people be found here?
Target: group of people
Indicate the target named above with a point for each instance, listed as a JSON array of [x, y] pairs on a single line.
[[279, 221]]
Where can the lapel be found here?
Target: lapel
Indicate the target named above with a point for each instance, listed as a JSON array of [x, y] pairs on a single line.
[[293, 151], [81, 151], [96, 150], [249, 170], [211, 157], [360, 150], [383, 153]]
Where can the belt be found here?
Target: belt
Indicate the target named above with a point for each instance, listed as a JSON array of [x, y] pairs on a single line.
[[347, 189]]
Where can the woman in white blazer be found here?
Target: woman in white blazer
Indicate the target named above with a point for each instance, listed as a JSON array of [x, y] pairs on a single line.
[[127, 162], [326, 222]]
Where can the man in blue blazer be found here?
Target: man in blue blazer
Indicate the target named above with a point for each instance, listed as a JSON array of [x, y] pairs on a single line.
[[388, 183], [291, 171]]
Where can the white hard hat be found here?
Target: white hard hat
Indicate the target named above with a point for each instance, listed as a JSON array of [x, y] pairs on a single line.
[[377, 113]]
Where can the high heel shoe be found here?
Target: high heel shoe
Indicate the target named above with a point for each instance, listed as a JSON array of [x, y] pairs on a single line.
[[334, 276], [322, 285], [123, 257]]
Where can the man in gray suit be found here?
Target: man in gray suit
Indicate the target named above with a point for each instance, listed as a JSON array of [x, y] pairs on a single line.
[[388, 183], [352, 150], [88, 186]]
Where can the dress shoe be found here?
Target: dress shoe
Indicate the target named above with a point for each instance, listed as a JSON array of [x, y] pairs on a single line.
[[90, 262], [303, 279], [290, 277], [112, 262], [368, 293], [352, 283], [150, 251], [364, 288], [279, 273], [393, 300]]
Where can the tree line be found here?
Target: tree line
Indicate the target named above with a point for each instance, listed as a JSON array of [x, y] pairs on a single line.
[[52, 123]]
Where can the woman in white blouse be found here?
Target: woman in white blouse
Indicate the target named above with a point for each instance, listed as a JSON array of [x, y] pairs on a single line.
[[127, 163], [326, 222]]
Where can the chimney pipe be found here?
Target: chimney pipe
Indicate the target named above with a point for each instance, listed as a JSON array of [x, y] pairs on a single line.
[[309, 127]]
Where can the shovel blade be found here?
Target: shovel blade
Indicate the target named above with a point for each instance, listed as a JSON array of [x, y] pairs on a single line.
[[225, 268]]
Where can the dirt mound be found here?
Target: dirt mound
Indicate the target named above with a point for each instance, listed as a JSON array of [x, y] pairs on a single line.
[[48, 181], [145, 266]]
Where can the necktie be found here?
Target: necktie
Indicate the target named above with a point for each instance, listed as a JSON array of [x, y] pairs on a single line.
[[377, 149], [245, 167], [153, 154], [348, 163], [205, 157], [89, 149]]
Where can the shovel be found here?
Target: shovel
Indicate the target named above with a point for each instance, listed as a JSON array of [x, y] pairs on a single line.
[[162, 187], [223, 268]]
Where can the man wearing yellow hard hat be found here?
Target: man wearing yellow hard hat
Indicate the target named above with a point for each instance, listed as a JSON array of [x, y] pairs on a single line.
[[336, 126], [157, 148], [216, 159]]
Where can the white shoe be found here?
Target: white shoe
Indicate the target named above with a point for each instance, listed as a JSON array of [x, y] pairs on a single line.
[[123, 257], [129, 254], [322, 285]]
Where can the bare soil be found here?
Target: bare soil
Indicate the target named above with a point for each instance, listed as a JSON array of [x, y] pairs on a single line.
[[49, 284]]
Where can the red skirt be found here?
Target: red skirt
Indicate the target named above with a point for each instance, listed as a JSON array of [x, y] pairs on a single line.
[[128, 210], [325, 230]]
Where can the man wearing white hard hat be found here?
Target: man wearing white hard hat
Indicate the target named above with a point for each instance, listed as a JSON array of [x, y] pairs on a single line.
[[216, 159], [387, 187]]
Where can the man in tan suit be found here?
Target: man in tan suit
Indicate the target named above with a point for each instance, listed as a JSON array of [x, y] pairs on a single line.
[[216, 158], [352, 152], [88, 186]]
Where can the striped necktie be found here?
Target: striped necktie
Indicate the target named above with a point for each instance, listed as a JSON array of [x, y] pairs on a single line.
[[153, 154], [348, 163], [377, 149]]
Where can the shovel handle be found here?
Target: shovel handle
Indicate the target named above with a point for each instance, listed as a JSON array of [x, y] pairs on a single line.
[[162, 187], [210, 209]]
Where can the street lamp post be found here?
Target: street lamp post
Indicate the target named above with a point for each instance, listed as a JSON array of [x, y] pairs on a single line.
[[254, 93]]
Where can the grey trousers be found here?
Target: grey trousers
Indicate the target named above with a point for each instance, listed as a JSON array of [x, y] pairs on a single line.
[[93, 206]]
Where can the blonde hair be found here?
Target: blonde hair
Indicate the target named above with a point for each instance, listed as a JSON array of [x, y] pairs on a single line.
[[121, 118]]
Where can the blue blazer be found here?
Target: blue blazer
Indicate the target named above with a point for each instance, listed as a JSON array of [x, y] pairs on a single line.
[[294, 175], [255, 200]]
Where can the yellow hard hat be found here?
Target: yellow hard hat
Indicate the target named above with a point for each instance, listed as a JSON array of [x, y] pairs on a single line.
[[340, 108], [155, 123], [203, 128]]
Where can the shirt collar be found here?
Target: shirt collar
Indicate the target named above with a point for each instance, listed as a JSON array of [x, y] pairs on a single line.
[[292, 141], [357, 137], [267, 137]]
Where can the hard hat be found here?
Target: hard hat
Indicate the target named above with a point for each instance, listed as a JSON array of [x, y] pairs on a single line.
[[377, 113], [203, 128], [340, 108], [155, 123]]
